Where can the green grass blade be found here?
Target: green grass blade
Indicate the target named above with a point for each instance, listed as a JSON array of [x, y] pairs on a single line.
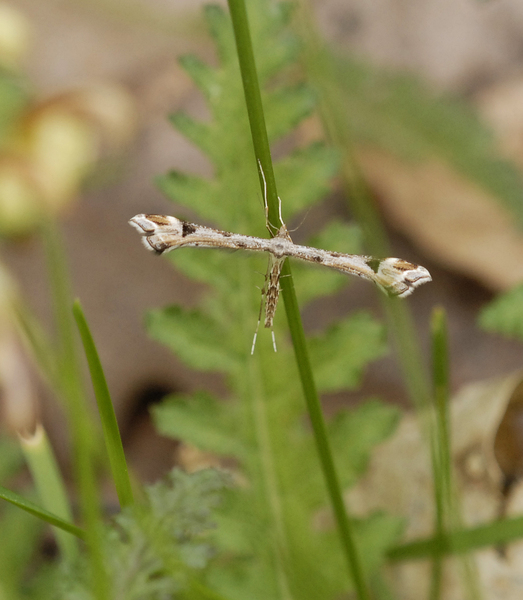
[[267, 181], [492, 534], [49, 485], [113, 441], [37, 511], [80, 421]]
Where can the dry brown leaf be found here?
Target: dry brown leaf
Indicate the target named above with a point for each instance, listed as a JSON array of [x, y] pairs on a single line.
[[450, 218], [399, 480]]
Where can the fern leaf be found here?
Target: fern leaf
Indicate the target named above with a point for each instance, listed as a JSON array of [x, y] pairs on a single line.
[[304, 176], [198, 420], [202, 75], [311, 282], [195, 338], [191, 191], [286, 107], [340, 355], [220, 29], [197, 132], [262, 425], [366, 426]]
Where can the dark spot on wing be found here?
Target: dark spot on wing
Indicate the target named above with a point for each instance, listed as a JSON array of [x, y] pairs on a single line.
[[374, 264], [241, 245], [226, 233], [187, 228], [335, 254], [317, 259]]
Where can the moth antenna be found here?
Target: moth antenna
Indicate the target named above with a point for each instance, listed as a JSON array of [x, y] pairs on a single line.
[[270, 227], [279, 209], [301, 222]]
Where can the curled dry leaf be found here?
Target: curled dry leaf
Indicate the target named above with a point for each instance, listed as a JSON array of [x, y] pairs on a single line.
[[448, 217], [399, 480]]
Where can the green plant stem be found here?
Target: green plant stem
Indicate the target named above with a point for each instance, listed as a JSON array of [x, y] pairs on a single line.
[[71, 389], [262, 152], [50, 486], [113, 441], [255, 111]]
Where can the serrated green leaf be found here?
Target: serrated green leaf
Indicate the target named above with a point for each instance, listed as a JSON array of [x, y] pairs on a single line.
[[312, 282], [200, 134], [273, 24], [376, 534], [286, 107], [155, 550], [191, 191], [505, 314], [195, 338], [220, 28], [304, 176], [340, 355], [200, 421], [203, 75], [366, 426], [340, 237], [203, 264], [266, 426]]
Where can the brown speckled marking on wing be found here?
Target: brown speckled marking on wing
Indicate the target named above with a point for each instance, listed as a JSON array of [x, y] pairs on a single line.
[[272, 281]]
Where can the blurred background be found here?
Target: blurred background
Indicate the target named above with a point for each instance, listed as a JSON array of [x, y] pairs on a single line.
[[101, 78]]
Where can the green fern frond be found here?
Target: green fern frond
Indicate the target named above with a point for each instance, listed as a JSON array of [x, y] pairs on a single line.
[[341, 353], [265, 530]]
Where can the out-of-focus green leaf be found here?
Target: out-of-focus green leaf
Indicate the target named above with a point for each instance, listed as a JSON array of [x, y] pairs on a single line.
[[340, 355], [400, 114], [199, 420], [505, 314], [197, 339], [354, 433]]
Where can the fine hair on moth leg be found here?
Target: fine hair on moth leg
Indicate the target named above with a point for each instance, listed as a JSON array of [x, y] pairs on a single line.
[[395, 276]]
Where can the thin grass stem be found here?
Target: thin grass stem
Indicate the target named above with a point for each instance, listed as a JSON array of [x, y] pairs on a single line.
[[113, 441], [80, 421], [262, 152], [49, 484], [35, 510]]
